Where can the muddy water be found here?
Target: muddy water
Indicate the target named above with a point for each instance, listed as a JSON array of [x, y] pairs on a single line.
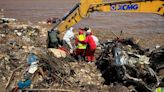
[[147, 27], [35, 10]]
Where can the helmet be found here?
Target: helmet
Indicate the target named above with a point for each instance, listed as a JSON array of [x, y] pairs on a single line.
[[81, 32], [89, 30], [71, 28]]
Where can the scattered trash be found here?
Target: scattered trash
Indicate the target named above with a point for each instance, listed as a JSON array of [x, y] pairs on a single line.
[[33, 67], [24, 84], [27, 66], [52, 20], [32, 59], [7, 20], [123, 62]]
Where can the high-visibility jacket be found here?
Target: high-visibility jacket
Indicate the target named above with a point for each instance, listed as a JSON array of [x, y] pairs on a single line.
[[159, 89], [80, 39]]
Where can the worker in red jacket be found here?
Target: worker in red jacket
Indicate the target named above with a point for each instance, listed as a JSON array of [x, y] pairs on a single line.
[[91, 46]]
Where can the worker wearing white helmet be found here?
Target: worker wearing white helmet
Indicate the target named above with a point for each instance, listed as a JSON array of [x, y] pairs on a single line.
[[93, 36]]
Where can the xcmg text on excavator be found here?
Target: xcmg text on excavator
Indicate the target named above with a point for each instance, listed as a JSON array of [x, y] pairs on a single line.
[[85, 7]]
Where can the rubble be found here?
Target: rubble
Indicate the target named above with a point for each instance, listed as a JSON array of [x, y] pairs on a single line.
[[23, 61], [25, 33], [122, 62]]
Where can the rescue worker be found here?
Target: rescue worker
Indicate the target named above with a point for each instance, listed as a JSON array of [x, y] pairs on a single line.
[[53, 38], [80, 45], [88, 31], [91, 46], [69, 35]]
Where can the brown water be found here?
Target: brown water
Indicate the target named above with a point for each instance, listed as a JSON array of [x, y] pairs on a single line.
[[38, 10], [145, 26]]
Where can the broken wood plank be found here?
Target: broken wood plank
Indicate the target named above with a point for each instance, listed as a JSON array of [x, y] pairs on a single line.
[[63, 79], [11, 76]]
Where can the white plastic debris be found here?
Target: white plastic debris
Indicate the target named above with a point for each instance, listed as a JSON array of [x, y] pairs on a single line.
[[15, 31], [19, 33], [33, 67], [2, 35], [143, 59], [157, 46]]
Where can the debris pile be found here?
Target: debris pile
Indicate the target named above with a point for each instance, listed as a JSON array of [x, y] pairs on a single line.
[[27, 33], [122, 62], [122, 65], [18, 33], [23, 65], [42, 70]]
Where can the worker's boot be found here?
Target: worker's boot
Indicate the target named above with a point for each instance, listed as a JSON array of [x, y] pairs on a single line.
[[79, 58]]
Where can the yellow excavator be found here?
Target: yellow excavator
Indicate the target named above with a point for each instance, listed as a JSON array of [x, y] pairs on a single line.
[[85, 7]]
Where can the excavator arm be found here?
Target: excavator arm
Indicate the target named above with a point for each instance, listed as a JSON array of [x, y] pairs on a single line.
[[85, 7], [78, 12]]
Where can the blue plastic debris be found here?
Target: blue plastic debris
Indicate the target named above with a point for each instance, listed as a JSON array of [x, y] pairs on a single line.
[[24, 84], [31, 58]]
